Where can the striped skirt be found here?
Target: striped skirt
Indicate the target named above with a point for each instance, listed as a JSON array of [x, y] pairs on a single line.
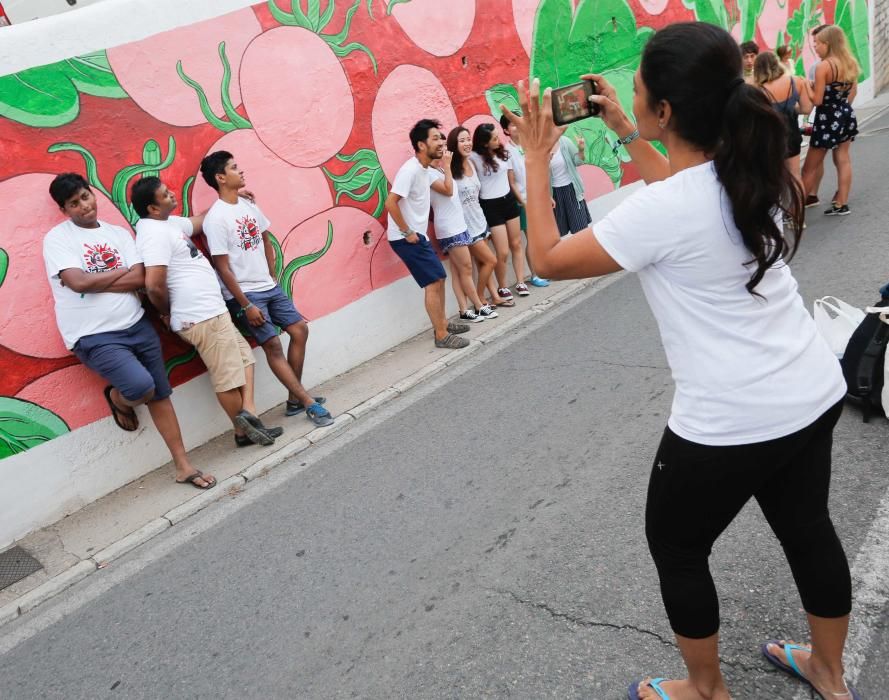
[[572, 214]]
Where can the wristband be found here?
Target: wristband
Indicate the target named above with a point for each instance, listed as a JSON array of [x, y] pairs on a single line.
[[625, 141], [405, 234], [244, 308]]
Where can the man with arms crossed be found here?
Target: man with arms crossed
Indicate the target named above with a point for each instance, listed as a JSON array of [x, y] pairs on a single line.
[[408, 207], [94, 271], [184, 289], [237, 232]]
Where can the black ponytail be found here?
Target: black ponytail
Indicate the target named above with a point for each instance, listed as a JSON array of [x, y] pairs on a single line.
[[696, 68]]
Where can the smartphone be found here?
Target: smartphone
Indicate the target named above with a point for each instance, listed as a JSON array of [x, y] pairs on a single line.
[[571, 103]]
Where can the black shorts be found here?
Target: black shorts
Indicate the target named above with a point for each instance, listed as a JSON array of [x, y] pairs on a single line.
[[500, 210]]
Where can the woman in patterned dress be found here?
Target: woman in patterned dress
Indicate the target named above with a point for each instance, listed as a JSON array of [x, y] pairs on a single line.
[[836, 84]]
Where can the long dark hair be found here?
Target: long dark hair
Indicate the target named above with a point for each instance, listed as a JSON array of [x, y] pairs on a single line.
[[480, 140], [696, 67], [457, 157]]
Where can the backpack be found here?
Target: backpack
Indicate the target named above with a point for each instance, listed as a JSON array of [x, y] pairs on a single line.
[[863, 363]]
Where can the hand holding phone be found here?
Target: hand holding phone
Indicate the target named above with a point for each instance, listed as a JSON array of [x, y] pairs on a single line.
[[571, 103]]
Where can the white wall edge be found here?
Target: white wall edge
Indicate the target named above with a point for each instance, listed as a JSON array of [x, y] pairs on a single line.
[[101, 26]]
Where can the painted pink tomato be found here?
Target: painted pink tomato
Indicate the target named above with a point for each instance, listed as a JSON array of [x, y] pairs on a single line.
[[654, 7], [286, 195], [440, 28], [297, 95], [524, 13], [27, 315], [385, 266], [772, 21], [74, 394], [595, 182], [147, 69], [408, 94], [342, 274]]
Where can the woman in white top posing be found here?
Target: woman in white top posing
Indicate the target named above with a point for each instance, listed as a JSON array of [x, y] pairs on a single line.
[[758, 391], [454, 240], [468, 186], [500, 199]]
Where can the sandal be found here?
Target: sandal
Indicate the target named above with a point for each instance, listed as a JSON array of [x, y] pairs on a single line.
[[654, 684], [507, 303], [117, 413], [451, 342], [788, 665], [198, 474]]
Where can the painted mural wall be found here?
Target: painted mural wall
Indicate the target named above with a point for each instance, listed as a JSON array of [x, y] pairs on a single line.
[[314, 98]]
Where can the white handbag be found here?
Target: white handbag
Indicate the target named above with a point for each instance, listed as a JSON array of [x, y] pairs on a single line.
[[836, 321]]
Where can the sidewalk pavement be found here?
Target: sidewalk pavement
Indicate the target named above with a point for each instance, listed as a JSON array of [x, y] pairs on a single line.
[[105, 530]]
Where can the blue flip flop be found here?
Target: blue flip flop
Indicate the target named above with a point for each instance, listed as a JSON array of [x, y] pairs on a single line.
[[654, 683], [788, 665]]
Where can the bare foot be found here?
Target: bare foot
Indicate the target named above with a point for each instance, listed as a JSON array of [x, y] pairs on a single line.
[[679, 690], [827, 684]]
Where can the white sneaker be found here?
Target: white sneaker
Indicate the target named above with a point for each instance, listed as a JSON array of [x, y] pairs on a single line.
[[487, 311], [471, 316]]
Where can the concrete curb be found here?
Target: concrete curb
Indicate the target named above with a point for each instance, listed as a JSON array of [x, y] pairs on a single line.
[[47, 590], [263, 466]]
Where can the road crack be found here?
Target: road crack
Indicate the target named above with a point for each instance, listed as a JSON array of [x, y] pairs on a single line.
[[582, 622]]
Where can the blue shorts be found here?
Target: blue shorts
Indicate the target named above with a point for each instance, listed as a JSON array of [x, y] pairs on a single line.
[[420, 260], [461, 239], [277, 308], [130, 360]]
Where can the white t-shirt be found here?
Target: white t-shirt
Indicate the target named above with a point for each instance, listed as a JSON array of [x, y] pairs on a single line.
[[236, 230], [449, 219], [517, 158], [469, 188], [558, 170], [93, 250], [411, 183], [194, 288], [747, 368], [494, 184]]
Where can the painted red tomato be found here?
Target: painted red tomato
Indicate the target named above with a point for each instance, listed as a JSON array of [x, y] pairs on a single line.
[[27, 315], [342, 274], [297, 95], [147, 69]]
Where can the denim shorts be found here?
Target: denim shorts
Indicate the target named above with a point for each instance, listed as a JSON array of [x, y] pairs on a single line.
[[130, 360], [277, 308], [485, 235], [420, 260], [461, 239]]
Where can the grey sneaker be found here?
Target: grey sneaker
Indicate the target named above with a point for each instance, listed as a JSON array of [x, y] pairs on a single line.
[[457, 328], [246, 423], [451, 342]]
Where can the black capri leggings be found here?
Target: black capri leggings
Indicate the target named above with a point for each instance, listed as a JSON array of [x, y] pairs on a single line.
[[696, 490]]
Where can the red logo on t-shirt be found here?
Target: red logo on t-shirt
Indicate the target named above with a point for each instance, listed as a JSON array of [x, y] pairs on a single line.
[[101, 258], [249, 235]]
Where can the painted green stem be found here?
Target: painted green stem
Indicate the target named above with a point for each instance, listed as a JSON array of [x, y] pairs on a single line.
[[232, 120], [294, 265]]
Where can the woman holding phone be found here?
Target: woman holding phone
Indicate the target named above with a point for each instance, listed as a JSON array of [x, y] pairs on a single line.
[[758, 391]]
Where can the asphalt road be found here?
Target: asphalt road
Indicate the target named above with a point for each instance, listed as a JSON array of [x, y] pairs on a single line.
[[481, 536]]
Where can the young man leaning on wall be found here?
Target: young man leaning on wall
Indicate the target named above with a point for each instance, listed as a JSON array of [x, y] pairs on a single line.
[[94, 271], [183, 288], [237, 232]]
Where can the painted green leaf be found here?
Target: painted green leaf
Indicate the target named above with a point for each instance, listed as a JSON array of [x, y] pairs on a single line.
[[24, 425], [502, 94], [392, 4], [49, 96], [363, 180], [851, 17], [180, 360], [294, 265], [710, 11], [750, 12], [4, 265], [602, 37]]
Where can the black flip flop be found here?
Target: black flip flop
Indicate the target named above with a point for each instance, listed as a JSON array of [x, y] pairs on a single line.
[[198, 474], [117, 412]]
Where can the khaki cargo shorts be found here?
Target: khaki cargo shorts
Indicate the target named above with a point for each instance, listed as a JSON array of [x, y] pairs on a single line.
[[223, 349]]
